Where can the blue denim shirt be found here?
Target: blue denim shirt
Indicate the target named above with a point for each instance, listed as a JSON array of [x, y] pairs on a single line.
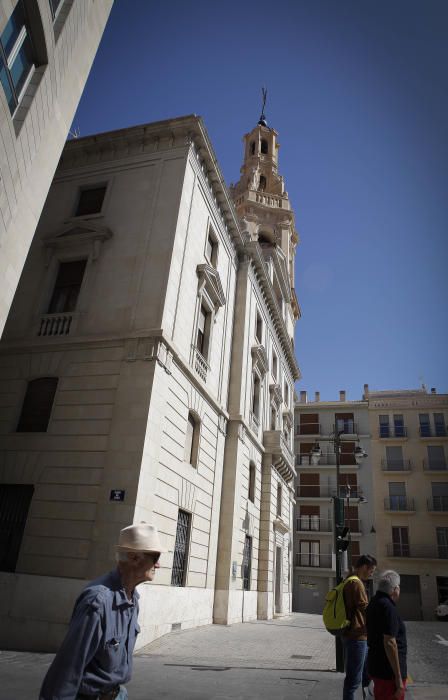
[[96, 654]]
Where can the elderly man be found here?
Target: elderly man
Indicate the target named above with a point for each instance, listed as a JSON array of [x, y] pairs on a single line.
[[386, 638], [354, 640], [95, 658]]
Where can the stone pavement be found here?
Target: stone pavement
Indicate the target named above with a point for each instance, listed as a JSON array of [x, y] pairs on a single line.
[[290, 658]]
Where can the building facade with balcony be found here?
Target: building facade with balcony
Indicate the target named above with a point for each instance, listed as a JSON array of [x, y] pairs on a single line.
[[47, 48], [147, 374], [409, 449], [314, 565]]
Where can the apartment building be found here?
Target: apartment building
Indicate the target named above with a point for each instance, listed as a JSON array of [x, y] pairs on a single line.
[[46, 51], [409, 446], [147, 374], [317, 422]]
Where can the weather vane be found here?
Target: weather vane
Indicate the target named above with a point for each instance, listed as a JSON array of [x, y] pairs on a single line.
[[264, 94]]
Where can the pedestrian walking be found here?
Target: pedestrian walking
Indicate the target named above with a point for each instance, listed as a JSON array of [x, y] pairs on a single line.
[[95, 658], [354, 639], [386, 638]]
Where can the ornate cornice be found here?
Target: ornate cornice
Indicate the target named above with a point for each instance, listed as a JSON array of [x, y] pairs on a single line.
[[210, 280], [260, 359]]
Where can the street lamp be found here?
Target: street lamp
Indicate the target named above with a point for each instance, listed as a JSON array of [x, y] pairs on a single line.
[[341, 532]]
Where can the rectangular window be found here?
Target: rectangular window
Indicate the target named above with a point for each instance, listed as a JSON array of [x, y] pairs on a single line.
[[67, 287], [397, 495], [259, 329], [309, 485], [394, 457], [279, 500], [348, 486], [211, 248], [309, 553], [286, 393], [37, 405], [181, 547], [439, 496], [256, 396], [16, 56], [274, 366], [90, 200], [203, 333], [310, 518], [351, 518], [442, 542], [247, 562], [436, 457], [384, 426], [425, 425], [347, 456], [344, 423], [400, 541], [442, 589], [309, 424], [439, 425], [399, 425], [15, 502]]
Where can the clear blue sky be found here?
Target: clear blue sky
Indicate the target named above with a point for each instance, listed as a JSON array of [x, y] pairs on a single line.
[[358, 93]]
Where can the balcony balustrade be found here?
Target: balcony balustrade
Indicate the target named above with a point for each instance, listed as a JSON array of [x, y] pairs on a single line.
[[438, 504], [312, 523], [201, 365], [55, 324], [317, 491], [392, 431], [396, 465], [308, 429], [315, 561], [399, 504], [427, 431], [417, 551], [348, 427], [434, 465], [327, 460]]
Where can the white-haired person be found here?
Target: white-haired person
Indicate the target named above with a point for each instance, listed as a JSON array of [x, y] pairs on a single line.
[[386, 639], [95, 658]]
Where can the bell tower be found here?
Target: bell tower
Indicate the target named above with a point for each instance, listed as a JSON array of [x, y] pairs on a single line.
[[263, 205]]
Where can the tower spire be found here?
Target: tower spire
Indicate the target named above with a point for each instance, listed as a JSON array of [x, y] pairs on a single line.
[[264, 93]]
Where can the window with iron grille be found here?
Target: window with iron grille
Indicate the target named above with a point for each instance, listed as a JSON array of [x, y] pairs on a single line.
[[181, 547], [15, 501], [247, 562], [37, 405]]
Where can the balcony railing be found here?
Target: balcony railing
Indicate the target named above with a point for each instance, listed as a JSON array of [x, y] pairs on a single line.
[[434, 465], [308, 429], [438, 504], [395, 431], [317, 491], [417, 551], [348, 427], [312, 523], [55, 324], [200, 364], [427, 431], [399, 504], [345, 460], [315, 561], [396, 465]]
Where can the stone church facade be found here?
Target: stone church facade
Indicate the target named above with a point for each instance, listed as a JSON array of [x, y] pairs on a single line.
[[147, 374]]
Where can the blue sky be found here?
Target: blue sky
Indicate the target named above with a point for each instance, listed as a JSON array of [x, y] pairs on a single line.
[[357, 90]]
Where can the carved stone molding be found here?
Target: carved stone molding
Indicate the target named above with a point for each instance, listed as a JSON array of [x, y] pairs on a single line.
[[260, 359], [276, 395], [210, 281]]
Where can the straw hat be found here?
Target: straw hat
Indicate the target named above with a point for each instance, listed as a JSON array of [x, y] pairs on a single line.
[[140, 538]]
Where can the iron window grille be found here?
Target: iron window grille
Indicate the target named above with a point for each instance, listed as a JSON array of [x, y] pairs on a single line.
[[181, 547], [247, 562]]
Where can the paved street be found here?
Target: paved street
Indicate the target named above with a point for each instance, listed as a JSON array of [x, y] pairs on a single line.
[[288, 658]]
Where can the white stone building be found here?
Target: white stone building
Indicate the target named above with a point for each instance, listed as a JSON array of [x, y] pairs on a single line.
[[146, 373], [46, 51]]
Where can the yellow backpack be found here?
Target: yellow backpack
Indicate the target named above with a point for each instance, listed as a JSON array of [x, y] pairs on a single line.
[[334, 614]]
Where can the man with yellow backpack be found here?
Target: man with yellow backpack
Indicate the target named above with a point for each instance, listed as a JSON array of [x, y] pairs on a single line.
[[345, 615]]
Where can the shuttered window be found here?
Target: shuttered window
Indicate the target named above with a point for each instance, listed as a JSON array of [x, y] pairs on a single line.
[[180, 559], [15, 502]]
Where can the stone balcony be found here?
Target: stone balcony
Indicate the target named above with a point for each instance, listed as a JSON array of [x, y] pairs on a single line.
[[282, 456]]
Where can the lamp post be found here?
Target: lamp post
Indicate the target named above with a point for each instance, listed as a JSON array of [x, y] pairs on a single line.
[[340, 530]]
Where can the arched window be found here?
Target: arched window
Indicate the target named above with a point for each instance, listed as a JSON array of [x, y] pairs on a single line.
[[262, 183], [252, 148], [251, 492], [192, 440], [37, 405], [264, 146]]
